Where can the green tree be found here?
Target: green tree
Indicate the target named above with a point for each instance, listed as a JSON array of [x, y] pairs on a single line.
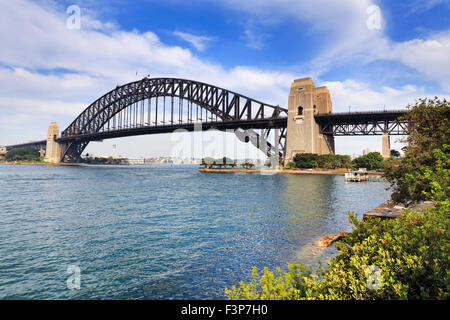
[[327, 161], [225, 161], [247, 165], [425, 165], [306, 160], [22, 154], [370, 161], [344, 161], [207, 162], [395, 153]]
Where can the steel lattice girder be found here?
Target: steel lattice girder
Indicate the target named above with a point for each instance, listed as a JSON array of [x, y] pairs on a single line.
[[367, 128], [363, 123], [225, 105], [215, 100]]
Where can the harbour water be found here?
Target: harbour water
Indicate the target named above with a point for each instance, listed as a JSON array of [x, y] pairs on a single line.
[[161, 231]]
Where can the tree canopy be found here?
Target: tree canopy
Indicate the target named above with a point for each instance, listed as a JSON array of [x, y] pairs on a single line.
[[22, 154], [370, 161], [423, 172], [327, 161]]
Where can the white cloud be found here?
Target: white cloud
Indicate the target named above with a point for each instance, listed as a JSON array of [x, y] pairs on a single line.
[[342, 25], [253, 37], [361, 97], [425, 5], [198, 42], [429, 56]]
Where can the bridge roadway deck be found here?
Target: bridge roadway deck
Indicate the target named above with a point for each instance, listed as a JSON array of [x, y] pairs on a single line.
[[155, 129]]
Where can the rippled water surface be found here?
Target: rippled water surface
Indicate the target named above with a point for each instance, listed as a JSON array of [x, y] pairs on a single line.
[[161, 232]]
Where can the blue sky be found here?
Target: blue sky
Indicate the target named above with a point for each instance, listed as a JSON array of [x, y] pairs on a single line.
[[255, 47]]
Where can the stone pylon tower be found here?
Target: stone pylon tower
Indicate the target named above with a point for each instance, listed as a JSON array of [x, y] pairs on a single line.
[[305, 100], [385, 146], [53, 148]]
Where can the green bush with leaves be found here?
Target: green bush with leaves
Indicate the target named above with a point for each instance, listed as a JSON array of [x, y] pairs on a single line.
[[403, 258]]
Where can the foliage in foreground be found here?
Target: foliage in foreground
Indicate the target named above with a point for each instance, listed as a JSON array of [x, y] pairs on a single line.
[[403, 258]]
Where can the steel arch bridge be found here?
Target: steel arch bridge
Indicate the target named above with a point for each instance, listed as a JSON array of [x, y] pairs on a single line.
[[162, 105]]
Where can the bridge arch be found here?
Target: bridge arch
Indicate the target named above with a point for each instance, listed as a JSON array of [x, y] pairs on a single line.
[[111, 113]]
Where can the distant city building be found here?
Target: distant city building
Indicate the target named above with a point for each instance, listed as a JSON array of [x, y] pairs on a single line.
[[135, 161], [366, 151]]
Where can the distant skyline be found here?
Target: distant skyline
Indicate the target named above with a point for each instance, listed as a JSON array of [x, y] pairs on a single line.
[[370, 54]]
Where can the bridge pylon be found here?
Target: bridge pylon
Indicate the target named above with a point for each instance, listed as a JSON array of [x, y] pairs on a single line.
[[53, 148], [385, 145], [303, 132]]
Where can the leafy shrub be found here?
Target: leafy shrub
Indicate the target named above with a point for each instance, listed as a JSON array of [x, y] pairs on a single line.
[[290, 165]]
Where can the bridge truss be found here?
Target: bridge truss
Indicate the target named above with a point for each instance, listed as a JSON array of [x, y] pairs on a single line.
[[162, 105], [363, 123]]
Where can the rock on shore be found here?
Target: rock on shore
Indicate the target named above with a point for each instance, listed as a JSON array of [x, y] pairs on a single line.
[[328, 239]]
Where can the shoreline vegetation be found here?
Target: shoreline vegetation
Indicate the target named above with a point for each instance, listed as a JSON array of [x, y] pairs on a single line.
[[306, 163], [404, 256], [281, 171]]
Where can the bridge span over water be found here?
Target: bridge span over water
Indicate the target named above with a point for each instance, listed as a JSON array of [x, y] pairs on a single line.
[[163, 105]]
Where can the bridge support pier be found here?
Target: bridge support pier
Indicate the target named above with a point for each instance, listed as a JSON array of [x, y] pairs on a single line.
[[386, 145], [303, 135], [53, 148]]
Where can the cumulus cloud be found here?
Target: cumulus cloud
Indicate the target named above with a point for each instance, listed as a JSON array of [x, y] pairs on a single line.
[[360, 96], [429, 56]]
